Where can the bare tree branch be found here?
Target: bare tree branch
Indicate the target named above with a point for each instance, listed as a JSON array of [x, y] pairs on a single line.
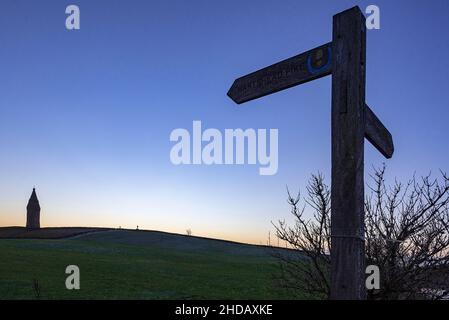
[[407, 237]]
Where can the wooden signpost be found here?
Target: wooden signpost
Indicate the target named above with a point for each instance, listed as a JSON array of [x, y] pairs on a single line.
[[352, 121]]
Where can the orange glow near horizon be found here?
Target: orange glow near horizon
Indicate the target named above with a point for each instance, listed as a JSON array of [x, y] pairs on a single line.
[[129, 208]]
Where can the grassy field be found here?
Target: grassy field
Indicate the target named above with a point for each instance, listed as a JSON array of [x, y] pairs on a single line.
[[119, 264]]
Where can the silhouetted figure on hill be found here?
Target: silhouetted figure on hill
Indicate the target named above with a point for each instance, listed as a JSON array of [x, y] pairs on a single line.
[[33, 212]]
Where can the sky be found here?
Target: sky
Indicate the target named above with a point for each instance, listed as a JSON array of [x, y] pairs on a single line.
[[86, 115]]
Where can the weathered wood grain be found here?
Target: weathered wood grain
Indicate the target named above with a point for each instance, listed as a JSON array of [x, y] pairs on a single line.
[[348, 132]]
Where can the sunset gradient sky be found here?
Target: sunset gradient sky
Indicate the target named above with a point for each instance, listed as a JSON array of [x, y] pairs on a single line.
[[85, 116]]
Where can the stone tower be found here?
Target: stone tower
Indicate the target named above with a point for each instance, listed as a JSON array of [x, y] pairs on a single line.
[[33, 212]]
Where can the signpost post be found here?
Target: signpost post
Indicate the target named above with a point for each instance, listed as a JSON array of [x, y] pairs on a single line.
[[352, 121]]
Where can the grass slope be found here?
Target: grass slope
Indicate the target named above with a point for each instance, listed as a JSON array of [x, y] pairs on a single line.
[[44, 233], [123, 264]]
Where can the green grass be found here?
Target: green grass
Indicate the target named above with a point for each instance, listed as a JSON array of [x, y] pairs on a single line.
[[113, 269]]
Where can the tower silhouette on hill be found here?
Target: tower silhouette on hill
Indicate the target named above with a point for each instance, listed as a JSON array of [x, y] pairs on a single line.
[[33, 212]]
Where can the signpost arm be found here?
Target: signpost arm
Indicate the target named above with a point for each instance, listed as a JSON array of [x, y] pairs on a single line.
[[348, 131], [377, 134]]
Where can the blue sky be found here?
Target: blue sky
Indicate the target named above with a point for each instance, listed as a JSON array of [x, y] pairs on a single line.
[[85, 116]]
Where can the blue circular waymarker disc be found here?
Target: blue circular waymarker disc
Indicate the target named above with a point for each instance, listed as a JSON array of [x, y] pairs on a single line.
[[314, 70]]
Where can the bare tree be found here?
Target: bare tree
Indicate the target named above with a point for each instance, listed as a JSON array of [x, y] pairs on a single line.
[[189, 232], [309, 276], [407, 237]]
